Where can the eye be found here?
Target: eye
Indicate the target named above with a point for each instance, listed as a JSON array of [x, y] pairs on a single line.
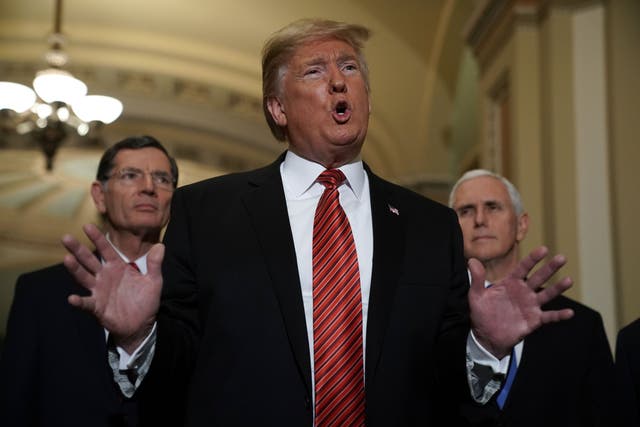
[[350, 66], [161, 178], [464, 212], [312, 71], [129, 175]]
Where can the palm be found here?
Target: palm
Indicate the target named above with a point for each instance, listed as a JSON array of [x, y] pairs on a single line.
[[124, 301], [122, 296], [503, 314]]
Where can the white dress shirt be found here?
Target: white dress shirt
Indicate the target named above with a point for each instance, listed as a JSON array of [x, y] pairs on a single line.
[[302, 194]]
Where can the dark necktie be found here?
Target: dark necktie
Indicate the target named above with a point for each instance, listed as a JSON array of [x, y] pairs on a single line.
[[337, 313]]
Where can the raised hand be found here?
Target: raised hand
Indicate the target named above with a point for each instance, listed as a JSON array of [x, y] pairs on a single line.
[[124, 301], [504, 313]]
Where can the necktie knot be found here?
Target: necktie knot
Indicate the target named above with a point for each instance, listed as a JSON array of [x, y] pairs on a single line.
[[331, 178]]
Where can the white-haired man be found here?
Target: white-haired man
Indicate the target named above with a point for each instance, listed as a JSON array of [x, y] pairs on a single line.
[[561, 374]]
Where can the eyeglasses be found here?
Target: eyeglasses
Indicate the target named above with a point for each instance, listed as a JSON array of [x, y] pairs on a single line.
[[133, 176]]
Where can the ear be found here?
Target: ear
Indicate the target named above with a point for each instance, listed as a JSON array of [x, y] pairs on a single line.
[[523, 226], [97, 194], [276, 108]]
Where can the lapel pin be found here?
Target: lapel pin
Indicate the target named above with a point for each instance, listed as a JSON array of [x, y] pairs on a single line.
[[394, 210]]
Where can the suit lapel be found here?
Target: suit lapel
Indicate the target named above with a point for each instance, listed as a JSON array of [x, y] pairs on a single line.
[[388, 241], [266, 206]]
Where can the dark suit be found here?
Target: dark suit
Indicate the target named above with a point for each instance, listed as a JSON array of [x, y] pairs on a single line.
[[54, 370], [565, 377], [232, 314], [628, 370]]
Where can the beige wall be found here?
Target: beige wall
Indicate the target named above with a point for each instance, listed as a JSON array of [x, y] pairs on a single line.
[[570, 69], [623, 42]]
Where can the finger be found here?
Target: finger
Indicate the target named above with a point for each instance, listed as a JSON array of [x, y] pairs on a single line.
[[83, 303], [79, 273], [101, 243], [544, 273], [154, 263], [527, 263], [478, 275], [81, 253], [550, 292], [556, 315]]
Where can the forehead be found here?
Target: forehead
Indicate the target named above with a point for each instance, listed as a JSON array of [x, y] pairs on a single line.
[[481, 189], [142, 158], [322, 49]]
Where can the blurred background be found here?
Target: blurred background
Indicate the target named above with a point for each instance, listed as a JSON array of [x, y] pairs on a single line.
[[545, 92]]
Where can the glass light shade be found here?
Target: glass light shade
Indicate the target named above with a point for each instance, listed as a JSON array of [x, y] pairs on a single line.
[[43, 110], [100, 108], [53, 85], [16, 97]]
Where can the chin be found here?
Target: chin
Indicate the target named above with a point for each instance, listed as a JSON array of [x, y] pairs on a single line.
[[482, 256]]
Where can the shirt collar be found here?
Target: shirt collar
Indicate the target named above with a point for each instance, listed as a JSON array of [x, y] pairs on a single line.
[[299, 174], [141, 262]]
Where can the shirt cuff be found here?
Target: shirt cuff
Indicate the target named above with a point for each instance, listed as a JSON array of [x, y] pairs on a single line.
[[481, 356], [485, 373], [128, 361]]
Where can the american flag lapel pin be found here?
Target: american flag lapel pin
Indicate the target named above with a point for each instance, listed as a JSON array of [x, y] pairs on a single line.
[[394, 210]]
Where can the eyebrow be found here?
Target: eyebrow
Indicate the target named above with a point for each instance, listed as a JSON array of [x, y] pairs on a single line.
[[136, 169], [467, 206], [320, 59]]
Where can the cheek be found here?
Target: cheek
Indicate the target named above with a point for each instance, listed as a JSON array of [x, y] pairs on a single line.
[[466, 226]]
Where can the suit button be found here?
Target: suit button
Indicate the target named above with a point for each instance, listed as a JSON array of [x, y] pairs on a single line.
[[307, 403]]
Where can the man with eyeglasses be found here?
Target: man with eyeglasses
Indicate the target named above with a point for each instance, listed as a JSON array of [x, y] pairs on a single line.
[[54, 369]]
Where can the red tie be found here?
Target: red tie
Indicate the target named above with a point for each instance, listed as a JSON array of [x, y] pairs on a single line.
[[134, 265], [337, 312]]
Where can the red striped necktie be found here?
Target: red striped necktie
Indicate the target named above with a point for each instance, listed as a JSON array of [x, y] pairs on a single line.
[[337, 313]]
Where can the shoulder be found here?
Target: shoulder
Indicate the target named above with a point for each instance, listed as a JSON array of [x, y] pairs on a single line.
[[631, 332], [581, 311], [585, 326], [45, 281], [231, 183], [406, 198]]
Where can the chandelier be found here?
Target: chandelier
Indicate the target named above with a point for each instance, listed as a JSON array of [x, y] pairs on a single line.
[[58, 102]]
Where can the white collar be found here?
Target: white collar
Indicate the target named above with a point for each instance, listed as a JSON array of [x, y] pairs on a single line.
[[300, 174]]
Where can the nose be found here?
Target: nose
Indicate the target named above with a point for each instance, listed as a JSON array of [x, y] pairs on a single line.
[[337, 83], [479, 218], [148, 185]]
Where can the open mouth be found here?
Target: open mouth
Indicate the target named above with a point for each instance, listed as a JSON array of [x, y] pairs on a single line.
[[341, 112]]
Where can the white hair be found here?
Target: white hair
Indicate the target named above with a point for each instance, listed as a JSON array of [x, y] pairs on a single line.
[[514, 195]]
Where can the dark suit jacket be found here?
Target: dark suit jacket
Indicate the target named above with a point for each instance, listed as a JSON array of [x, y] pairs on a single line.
[[628, 370], [54, 369], [565, 377], [232, 315]]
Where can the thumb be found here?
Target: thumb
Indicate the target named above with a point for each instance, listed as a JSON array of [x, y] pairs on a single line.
[[154, 262], [478, 274]]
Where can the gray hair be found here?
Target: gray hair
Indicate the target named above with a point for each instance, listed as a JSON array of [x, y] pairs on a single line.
[[514, 195]]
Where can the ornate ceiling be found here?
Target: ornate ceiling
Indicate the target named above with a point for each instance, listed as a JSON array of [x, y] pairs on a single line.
[[188, 73]]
